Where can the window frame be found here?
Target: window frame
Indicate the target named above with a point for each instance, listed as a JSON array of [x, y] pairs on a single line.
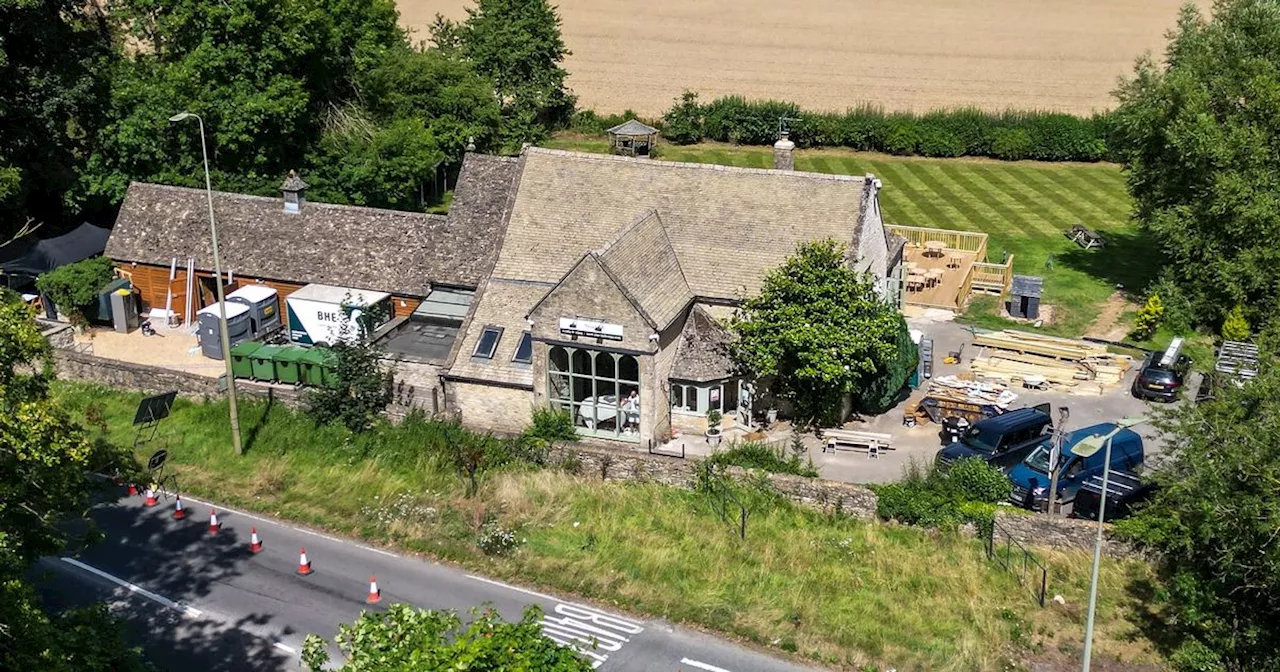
[[526, 338], [497, 338]]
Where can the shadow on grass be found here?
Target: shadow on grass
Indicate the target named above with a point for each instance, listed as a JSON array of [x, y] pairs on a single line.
[[1132, 259], [1149, 618], [264, 414]]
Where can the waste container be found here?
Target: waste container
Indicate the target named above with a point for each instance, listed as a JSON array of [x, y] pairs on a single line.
[[318, 367], [241, 365], [288, 364], [264, 365]]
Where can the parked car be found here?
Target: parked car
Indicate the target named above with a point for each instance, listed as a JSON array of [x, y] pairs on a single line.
[[1030, 480], [1125, 492], [1003, 441], [1160, 381]]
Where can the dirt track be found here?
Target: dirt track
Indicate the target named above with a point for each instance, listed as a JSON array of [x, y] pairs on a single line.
[[832, 54]]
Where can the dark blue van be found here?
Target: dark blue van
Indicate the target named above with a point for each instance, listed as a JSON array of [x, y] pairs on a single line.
[[1003, 441], [1030, 479]]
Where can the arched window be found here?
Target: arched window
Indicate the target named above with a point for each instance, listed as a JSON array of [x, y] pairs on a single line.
[[600, 389]]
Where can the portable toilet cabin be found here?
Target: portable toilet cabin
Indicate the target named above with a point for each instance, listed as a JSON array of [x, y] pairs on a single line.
[[238, 328], [264, 307], [325, 314]]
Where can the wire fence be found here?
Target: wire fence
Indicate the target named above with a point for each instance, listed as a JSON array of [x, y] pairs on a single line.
[[1016, 559], [724, 501]]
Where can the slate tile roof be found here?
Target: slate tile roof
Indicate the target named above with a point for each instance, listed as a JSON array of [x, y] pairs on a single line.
[[644, 265], [365, 248], [727, 225], [502, 303], [702, 352]]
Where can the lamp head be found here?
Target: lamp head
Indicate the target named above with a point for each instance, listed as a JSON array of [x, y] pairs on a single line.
[[181, 116]]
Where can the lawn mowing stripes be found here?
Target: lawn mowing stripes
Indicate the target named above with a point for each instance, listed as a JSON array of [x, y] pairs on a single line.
[[923, 200], [1060, 212], [1119, 206], [1072, 209], [1005, 219], [1028, 204], [1029, 223], [1061, 183], [975, 219]]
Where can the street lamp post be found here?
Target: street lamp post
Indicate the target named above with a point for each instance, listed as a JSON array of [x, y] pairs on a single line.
[[1105, 440], [217, 272]]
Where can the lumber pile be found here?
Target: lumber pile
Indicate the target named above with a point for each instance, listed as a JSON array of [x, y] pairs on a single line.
[[1036, 360]]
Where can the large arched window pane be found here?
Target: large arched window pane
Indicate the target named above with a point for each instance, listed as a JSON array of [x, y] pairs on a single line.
[[581, 363], [628, 369], [558, 359], [605, 367]]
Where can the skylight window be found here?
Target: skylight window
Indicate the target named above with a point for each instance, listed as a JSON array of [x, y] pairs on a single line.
[[488, 342], [524, 351]]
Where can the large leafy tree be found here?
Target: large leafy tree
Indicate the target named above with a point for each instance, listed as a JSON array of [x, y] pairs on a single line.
[[51, 52], [44, 459], [517, 44], [824, 331], [1200, 139], [405, 639], [1215, 524]]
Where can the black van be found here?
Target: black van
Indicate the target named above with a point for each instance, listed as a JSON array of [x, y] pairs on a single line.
[[1003, 440]]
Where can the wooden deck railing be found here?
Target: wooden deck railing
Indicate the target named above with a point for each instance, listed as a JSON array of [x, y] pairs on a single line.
[[964, 241], [991, 277]]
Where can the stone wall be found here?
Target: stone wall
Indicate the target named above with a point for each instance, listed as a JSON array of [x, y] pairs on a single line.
[[416, 386], [1063, 534], [490, 407], [622, 465], [71, 365]]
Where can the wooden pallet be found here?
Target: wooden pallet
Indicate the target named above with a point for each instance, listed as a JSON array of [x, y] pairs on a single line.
[[1038, 344]]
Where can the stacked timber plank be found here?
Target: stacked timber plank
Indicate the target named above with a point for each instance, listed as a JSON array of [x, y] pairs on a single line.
[[1019, 357]]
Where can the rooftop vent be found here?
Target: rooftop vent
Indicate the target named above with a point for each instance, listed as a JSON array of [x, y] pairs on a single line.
[[295, 192]]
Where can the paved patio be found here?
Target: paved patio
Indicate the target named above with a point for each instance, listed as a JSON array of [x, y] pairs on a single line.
[[175, 349]]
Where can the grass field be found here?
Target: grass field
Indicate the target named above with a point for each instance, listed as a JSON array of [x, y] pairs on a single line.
[[850, 594], [1023, 206]]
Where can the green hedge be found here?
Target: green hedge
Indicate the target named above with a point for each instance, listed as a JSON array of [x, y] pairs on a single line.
[[1012, 135]]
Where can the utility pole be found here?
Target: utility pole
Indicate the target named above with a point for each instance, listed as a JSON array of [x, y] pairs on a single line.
[[1055, 457], [217, 281]]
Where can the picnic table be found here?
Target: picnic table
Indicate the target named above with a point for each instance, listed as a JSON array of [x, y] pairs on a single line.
[[1086, 237], [934, 248]]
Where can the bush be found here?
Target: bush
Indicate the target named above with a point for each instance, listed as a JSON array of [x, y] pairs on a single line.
[[551, 424], [361, 393], [1193, 656], [755, 455], [974, 480], [967, 492], [1235, 327], [1148, 318], [75, 287], [960, 132]]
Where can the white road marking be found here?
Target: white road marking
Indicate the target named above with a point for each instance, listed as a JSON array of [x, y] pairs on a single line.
[[176, 606], [702, 666], [550, 598], [287, 649]]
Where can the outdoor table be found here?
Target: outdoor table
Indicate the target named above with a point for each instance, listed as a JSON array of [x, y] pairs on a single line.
[[933, 276], [934, 248], [953, 260]]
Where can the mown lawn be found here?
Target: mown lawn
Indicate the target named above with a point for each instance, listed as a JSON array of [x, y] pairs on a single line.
[[1023, 206], [851, 594]]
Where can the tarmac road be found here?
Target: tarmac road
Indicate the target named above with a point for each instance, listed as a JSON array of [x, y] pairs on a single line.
[[203, 602]]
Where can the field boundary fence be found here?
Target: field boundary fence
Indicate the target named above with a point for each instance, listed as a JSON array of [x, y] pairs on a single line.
[[1018, 560]]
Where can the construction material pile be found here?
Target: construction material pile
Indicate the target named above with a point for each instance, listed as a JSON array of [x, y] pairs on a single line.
[[1036, 360], [953, 388]]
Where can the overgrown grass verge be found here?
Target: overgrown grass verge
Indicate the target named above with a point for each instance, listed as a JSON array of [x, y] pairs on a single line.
[[845, 593], [1024, 206]]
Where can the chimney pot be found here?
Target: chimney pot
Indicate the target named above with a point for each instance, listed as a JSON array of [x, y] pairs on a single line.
[[784, 153], [295, 192]]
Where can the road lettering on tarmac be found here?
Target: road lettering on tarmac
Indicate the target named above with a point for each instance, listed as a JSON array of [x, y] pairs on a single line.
[[594, 634]]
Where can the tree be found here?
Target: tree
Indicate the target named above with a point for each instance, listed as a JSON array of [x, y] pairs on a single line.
[[1214, 521], [1235, 327], [405, 639], [44, 459], [1148, 318], [74, 287], [361, 389], [823, 330], [683, 122], [517, 44], [377, 166], [1197, 136], [51, 55]]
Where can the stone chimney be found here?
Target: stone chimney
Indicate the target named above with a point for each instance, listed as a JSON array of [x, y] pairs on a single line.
[[784, 153], [471, 144], [295, 192]]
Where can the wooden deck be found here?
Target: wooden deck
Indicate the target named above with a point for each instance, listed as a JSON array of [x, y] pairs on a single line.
[[951, 291]]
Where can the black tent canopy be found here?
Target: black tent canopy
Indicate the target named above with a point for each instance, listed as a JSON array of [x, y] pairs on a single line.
[[85, 241]]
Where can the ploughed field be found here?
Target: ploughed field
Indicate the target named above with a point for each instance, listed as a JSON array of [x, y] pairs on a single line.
[[915, 55]]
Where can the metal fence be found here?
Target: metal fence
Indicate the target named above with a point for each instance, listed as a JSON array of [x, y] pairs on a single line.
[[724, 501], [1010, 554]]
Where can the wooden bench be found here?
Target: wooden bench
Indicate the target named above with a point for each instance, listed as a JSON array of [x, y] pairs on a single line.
[[1085, 237], [870, 442]]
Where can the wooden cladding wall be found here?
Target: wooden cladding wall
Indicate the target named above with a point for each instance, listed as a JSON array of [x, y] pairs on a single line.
[[152, 283]]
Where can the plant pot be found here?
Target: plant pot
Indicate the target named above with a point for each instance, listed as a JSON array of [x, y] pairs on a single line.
[[713, 436]]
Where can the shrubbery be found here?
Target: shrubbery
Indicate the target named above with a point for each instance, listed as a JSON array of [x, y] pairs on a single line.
[[74, 287], [1045, 136], [755, 455], [967, 492]]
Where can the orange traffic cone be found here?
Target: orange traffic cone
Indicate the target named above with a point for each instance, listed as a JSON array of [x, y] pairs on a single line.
[[214, 525], [178, 513], [151, 498], [375, 595], [255, 544], [304, 565], [132, 491]]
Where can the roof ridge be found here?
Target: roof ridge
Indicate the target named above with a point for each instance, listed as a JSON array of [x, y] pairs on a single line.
[[688, 165], [310, 203]]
